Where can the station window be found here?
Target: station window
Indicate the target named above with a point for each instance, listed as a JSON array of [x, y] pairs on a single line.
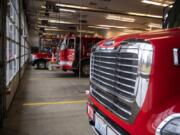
[[13, 56]]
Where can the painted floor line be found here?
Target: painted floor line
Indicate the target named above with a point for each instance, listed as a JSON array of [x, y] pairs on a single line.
[[54, 103]]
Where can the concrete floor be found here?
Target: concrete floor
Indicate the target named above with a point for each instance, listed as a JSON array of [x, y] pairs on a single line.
[[39, 107]]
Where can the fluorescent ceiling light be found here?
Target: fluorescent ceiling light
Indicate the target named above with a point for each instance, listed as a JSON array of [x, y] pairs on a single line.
[[71, 6], [55, 21], [62, 9], [165, 4], [120, 18], [44, 7], [67, 10], [58, 21], [113, 26], [49, 29], [49, 34], [99, 27], [171, 6], [154, 25], [44, 26], [86, 31], [148, 29], [147, 15], [56, 30], [132, 31], [42, 19]]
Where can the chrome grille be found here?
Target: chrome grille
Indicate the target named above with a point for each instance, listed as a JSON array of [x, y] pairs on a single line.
[[116, 71], [113, 79]]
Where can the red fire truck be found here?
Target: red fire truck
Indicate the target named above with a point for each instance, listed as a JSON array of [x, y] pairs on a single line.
[[134, 82], [41, 59], [70, 52]]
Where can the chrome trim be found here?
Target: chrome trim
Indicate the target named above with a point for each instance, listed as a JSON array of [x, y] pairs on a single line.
[[104, 62], [127, 59], [176, 54], [104, 83], [132, 73], [104, 78], [125, 92], [119, 70], [103, 72], [95, 132], [120, 97], [125, 65], [108, 57], [165, 121], [125, 85], [125, 78], [122, 109], [113, 86]]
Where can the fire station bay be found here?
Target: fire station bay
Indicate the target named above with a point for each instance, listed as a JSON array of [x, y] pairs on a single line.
[[89, 67]]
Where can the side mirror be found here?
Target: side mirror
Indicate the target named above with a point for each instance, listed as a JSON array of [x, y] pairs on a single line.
[[166, 12], [176, 56]]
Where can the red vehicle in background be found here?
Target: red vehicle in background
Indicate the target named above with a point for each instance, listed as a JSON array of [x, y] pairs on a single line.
[[41, 60], [134, 82], [70, 56]]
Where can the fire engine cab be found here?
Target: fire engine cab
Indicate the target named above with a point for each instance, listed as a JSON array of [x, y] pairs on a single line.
[[134, 82], [75, 53]]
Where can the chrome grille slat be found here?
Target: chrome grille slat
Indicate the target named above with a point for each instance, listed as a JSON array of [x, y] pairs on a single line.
[[125, 85], [129, 93], [108, 57], [125, 65], [119, 70], [111, 92], [117, 89], [114, 82], [126, 58], [125, 78], [105, 78], [108, 68], [104, 83], [104, 62], [104, 72], [128, 112]]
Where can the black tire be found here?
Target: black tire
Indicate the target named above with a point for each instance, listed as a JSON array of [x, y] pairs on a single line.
[[41, 64], [76, 72], [85, 69]]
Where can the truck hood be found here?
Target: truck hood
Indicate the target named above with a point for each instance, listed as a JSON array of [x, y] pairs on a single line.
[[152, 36]]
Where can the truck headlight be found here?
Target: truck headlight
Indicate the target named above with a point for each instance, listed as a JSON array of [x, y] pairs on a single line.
[[33, 57], [170, 126]]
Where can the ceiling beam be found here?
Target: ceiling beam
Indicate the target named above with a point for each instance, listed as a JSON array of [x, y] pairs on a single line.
[[97, 10]]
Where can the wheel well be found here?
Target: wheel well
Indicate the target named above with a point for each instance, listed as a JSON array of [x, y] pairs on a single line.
[[85, 60], [44, 60]]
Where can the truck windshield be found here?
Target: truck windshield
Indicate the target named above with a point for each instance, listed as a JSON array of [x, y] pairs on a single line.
[[63, 45], [172, 15], [71, 44]]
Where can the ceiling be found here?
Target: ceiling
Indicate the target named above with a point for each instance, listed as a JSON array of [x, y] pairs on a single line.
[[93, 16]]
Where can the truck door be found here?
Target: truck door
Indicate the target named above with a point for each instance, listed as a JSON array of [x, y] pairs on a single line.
[[62, 52], [71, 50]]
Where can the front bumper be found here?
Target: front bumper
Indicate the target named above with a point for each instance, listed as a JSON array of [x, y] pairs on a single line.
[[111, 129]]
